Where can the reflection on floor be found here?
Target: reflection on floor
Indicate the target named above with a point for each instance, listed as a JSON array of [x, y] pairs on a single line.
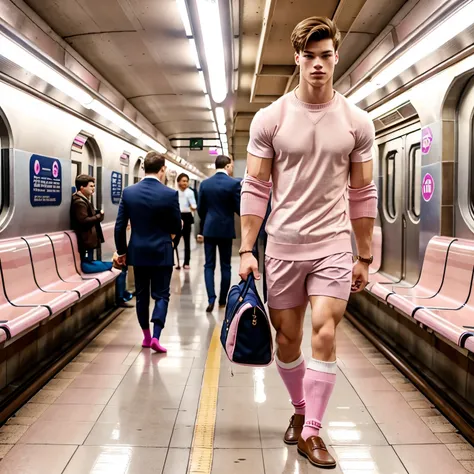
[[119, 409]]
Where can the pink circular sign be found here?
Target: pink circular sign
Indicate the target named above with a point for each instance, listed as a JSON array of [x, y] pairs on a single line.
[[427, 187], [55, 169], [37, 167]]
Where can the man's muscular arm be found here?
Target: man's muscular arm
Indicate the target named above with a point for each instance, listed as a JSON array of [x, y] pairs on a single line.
[[255, 192], [363, 211]]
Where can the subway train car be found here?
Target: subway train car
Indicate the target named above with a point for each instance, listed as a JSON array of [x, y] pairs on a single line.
[[89, 87]]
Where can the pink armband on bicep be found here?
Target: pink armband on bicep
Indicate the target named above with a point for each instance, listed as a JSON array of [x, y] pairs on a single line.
[[363, 202], [254, 197]]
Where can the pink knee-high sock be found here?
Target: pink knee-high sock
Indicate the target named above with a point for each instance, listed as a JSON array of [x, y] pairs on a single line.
[[319, 382], [292, 375]]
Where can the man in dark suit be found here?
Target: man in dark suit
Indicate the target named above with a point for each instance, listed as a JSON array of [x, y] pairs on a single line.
[[219, 199], [153, 211]]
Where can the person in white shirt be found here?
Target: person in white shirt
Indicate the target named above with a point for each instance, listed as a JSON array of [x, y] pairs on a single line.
[[187, 205]]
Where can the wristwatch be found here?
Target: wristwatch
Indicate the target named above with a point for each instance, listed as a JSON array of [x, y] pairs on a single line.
[[368, 261]]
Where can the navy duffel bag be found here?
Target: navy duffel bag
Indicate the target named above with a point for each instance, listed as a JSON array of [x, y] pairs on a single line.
[[246, 335]]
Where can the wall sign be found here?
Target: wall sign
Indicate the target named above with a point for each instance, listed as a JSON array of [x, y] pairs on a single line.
[[125, 158], [45, 181], [116, 187], [427, 187], [426, 140]]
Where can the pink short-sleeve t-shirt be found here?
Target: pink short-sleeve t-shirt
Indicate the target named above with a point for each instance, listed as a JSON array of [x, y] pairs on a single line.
[[312, 147]]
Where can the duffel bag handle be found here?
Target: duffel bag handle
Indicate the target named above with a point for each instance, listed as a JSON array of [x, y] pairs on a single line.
[[245, 289]]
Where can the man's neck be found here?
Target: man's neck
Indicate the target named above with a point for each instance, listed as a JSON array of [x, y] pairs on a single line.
[[222, 170], [153, 175], [314, 95]]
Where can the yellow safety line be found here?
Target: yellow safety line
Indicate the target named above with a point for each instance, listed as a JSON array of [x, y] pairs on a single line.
[[203, 440]]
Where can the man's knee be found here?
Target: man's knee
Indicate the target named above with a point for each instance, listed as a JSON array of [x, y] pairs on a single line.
[[325, 335], [287, 341]]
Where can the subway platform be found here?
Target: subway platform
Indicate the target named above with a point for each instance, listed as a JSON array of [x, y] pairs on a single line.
[[121, 409]]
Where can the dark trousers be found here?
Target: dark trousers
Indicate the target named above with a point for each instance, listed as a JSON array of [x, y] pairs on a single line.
[[187, 218], [156, 279], [225, 254]]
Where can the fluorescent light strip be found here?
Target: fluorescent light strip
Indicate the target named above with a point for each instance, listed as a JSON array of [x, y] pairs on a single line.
[[152, 143], [211, 31], [440, 35], [223, 138], [192, 45], [183, 11], [115, 118], [16, 54], [390, 105], [222, 128], [220, 116]]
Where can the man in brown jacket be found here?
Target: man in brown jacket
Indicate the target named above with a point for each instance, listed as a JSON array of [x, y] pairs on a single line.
[[85, 221]]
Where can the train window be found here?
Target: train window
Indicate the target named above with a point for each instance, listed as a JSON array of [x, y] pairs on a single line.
[[415, 179], [390, 180]]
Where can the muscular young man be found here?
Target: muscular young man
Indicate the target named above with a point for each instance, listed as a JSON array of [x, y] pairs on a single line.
[[314, 148]]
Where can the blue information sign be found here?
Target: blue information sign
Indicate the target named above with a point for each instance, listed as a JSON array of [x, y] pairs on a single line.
[[45, 181], [116, 187]]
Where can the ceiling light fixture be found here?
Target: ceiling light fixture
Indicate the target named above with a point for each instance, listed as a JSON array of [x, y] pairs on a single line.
[[223, 138], [152, 143], [436, 38], [20, 56], [183, 11], [115, 118], [211, 31], [220, 116]]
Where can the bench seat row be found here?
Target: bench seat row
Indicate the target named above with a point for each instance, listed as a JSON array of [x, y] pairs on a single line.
[[443, 297], [40, 277]]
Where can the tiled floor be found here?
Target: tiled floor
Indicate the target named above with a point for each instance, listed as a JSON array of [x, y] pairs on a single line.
[[118, 409]]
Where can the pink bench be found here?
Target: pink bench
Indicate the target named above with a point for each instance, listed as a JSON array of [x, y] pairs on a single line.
[[456, 286], [469, 344], [46, 270], [455, 325], [432, 273], [39, 279], [104, 277]]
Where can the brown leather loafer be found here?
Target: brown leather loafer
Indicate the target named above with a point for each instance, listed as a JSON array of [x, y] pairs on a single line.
[[294, 430], [315, 451]]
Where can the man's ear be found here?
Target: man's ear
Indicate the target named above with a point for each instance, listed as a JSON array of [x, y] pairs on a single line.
[[297, 59], [336, 57]]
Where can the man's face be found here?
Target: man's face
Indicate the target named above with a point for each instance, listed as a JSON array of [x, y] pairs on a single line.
[[184, 183], [88, 190], [317, 62]]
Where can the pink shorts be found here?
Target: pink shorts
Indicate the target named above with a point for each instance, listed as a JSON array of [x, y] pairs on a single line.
[[291, 283]]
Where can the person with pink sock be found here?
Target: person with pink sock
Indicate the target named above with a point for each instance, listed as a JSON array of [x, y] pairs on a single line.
[[153, 211], [313, 149]]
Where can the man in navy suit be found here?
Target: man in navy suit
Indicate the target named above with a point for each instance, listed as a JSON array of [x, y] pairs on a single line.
[[153, 210], [219, 199]]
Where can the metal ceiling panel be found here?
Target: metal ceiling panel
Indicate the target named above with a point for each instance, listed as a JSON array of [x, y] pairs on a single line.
[[124, 61], [77, 17], [187, 126], [271, 85]]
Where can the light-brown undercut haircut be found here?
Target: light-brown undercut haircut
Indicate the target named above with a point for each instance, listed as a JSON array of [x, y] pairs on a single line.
[[315, 28]]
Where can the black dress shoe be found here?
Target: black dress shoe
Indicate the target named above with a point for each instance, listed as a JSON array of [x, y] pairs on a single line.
[[210, 308]]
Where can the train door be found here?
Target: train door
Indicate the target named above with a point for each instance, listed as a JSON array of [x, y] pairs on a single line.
[[400, 175]]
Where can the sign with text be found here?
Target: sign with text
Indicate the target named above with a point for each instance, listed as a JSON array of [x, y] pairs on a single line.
[[196, 143], [45, 181], [116, 187]]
